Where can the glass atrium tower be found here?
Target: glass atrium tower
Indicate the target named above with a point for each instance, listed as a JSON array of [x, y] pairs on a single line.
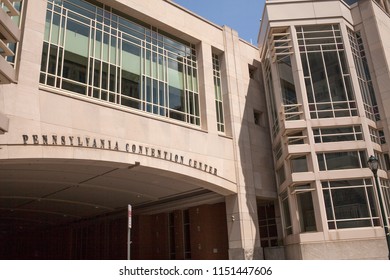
[[326, 80]]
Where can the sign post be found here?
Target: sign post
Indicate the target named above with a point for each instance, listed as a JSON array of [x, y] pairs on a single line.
[[129, 214]]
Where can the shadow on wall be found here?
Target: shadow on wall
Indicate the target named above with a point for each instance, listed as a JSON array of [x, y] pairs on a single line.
[[256, 159]]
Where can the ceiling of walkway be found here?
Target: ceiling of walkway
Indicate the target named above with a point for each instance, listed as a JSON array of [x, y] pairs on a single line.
[[49, 193]]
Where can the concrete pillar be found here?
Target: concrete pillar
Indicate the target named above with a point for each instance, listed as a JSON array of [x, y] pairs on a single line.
[[243, 233], [241, 208]]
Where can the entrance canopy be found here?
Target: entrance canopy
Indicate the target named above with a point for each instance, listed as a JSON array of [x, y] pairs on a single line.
[[48, 192]]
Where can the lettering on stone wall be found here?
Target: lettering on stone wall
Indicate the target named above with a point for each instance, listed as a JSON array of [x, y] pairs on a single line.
[[107, 144]]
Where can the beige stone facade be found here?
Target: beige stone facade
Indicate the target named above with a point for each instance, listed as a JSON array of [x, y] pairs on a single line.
[[146, 103]]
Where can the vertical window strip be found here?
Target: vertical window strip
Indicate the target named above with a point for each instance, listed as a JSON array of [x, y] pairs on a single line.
[[304, 199], [278, 151], [386, 196], [269, 88], [267, 224], [218, 94], [381, 159], [363, 74], [104, 55], [288, 229]]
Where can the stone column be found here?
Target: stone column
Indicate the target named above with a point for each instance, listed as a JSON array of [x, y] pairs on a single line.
[[244, 239], [241, 208]]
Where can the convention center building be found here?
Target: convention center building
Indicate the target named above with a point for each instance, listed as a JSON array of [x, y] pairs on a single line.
[[139, 129]]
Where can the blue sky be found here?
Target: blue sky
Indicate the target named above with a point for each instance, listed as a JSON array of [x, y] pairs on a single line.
[[241, 15]]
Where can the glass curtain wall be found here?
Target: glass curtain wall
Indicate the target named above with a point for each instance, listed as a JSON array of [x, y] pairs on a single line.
[[327, 80], [349, 203], [96, 51]]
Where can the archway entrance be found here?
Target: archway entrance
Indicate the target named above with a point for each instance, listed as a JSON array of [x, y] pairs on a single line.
[[77, 209]]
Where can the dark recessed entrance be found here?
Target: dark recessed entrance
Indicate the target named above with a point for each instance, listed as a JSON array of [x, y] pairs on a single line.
[[73, 209]]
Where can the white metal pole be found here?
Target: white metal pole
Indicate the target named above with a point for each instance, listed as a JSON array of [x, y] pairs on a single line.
[[128, 243], [129, 214]]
